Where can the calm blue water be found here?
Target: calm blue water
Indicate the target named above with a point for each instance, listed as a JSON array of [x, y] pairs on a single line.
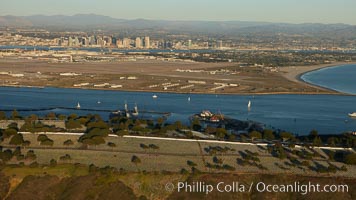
[[339, 78], [296, 113]]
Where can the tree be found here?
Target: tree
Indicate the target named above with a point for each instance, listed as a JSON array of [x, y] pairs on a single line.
[[73, 124], [255, 135], [191, 163], [42, 137], [317, 141], [313, 133], [88, 141], [286, 136], [136, 160], [331, 141], [51, 116], [32, 117], [6, 155], [2, 115], [111, 144], [47, 142], [13, 125], [196, 126], [65, 158], [30, 155], [9, 132], [72, 116], [17, 140], [221, 133], [331, 155], [160, 121], [178, 125], [98, 124], [268, 134], [154, 147], [26, 143], [143, 146], [217, 160], [62, 117], [98, 140], [17, 151], [184, 171], [68, 142], [28, 126], [232, 137], [52, 163], [350, 159], [15, 115]]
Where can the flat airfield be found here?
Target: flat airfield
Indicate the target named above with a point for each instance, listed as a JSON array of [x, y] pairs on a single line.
[[158, 76]]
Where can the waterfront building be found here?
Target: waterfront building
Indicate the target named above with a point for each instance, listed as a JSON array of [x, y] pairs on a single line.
[[147, 42], [219, 44], [126, 43], [92, 40], [70, 42], [138, 43], [189, 44]]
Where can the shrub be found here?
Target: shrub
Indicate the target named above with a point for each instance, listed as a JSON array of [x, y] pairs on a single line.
[[191, 163], [229, 168], [17, 140], [111, 144], [68, 142], [184, 171], [350, 159], [73, 124], [65, 157], [34, 165], [30, 155], [42, 137], [47, 142], [52, 163]]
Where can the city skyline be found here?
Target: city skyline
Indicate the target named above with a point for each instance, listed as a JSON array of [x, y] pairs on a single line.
[[315, 11]]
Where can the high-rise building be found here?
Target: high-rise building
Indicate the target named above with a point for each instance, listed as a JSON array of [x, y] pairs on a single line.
[[119, 43], [167, 44], [113, 40], [108, 40], [85, 41], [126, 43], [100, 41], [147, 42], [138, 42], [76, 41], [219, 44], [92, 40], [70, 42], [189, 44]]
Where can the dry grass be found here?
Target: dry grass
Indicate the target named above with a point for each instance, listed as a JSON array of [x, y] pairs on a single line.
[[171, 156]]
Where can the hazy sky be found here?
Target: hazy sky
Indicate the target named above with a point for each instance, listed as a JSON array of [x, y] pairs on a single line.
[[294, 11]]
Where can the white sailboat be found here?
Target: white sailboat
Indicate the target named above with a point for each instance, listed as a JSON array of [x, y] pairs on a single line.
[[249, 105], [135, 112], [188, 98], [127, 111], [78, 106], [352, 114], [155, 96]]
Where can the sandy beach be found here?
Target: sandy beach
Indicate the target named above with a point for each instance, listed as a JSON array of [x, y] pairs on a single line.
[[294, 73]]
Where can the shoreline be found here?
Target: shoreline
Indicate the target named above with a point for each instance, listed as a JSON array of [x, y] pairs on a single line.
[[295, 73], [195, 93]]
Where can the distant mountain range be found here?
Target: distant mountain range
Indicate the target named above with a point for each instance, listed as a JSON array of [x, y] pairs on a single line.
[[92, 21]]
